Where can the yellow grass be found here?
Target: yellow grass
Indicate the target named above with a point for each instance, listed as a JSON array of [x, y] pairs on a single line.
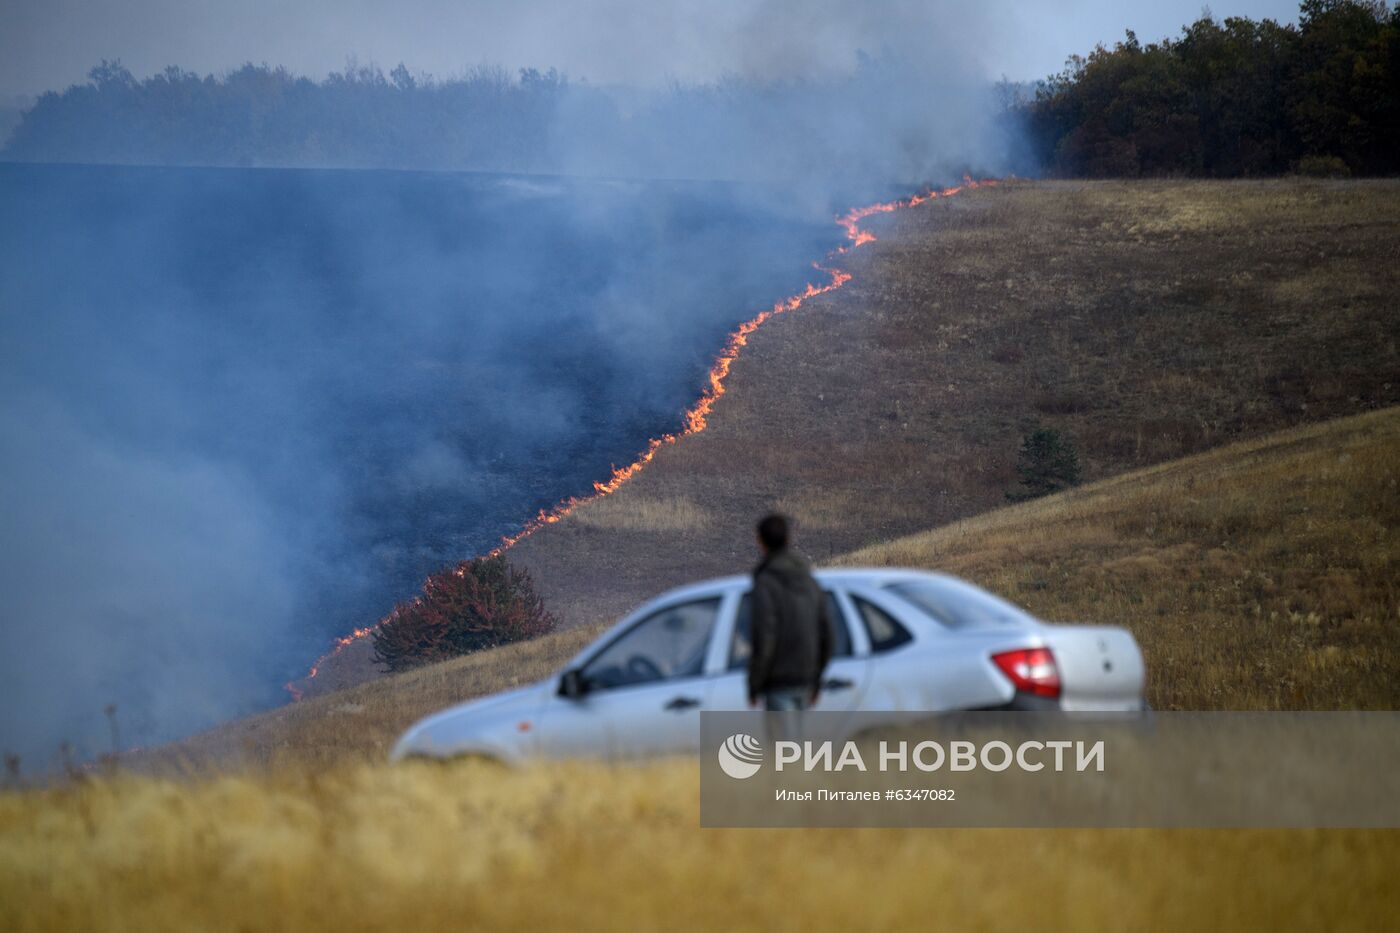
[[587, 847], [1265, 575]]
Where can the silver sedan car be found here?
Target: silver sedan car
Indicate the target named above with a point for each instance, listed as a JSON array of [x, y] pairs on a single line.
[[906, 641]]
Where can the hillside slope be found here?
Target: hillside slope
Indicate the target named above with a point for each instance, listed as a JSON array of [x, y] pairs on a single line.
[[1151, 320], [1263, 575]]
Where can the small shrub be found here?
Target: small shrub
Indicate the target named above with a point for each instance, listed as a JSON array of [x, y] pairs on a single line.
[[481, 603], [1320, 166], [1047, 462]]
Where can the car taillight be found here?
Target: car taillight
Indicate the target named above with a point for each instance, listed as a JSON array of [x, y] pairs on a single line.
[[1031, 670]]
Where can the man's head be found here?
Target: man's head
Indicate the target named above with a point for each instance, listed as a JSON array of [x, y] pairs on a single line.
[[773, 533]]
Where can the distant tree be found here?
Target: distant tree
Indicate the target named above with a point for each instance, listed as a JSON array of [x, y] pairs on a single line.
[[1047, 463], [482, 603], [107, 74], [401, 79]]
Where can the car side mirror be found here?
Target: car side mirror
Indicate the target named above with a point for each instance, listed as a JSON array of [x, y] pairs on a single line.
[[572, 685]]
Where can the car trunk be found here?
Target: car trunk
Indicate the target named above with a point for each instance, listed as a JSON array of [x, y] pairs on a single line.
[[1100, 667]]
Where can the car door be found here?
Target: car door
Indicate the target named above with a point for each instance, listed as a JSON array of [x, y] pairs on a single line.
[[908, 673], [842, 683], [643, 688]]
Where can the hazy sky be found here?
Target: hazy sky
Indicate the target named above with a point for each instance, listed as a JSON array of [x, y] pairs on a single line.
[[49, 44]]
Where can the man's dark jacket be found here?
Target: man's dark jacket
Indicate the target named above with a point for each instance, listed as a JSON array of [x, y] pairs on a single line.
[[790, 628]]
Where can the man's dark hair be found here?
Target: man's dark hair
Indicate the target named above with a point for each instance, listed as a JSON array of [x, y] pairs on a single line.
[[773, 532]]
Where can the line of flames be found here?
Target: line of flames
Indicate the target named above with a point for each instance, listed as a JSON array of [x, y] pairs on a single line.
[[696, 418]]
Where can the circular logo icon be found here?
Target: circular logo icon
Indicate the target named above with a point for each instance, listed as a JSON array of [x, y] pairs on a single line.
[[741, 756]]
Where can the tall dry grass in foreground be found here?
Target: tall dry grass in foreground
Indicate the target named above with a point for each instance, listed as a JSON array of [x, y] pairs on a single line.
[[588, 847]]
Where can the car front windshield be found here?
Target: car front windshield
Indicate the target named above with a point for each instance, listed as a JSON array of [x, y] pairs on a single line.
[[959, 605]]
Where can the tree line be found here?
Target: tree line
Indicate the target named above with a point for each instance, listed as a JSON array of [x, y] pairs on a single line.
[[1231, 98], [1225, 98], [259, 115], [836, 127]]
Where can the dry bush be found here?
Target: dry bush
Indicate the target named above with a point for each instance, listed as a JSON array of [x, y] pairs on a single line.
[[480, 604]]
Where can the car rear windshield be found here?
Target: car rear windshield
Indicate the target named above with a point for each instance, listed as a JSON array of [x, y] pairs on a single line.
[[959, 605]]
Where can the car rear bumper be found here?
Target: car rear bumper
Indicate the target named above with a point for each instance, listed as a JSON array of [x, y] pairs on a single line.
[[1030, 703]]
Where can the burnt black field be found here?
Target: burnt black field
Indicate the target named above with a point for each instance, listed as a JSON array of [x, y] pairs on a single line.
[[246, 410]]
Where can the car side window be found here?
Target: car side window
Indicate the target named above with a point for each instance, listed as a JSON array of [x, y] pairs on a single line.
[[666, 645], [740, 646], [886, 633]]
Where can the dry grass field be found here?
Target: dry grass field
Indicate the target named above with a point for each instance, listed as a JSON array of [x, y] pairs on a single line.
[[587, 847], [1264, 575], [1150, 320]]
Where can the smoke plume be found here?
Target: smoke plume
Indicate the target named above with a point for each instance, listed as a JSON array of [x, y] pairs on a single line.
[[246, 410]]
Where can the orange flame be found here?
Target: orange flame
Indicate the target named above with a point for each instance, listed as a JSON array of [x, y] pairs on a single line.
[[696, 418], [339, 645]]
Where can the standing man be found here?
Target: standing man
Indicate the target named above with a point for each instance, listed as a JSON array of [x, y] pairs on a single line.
[[790, 627]]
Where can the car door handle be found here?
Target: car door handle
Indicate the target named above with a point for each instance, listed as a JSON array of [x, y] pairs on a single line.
[[682, 703], [837, 683]]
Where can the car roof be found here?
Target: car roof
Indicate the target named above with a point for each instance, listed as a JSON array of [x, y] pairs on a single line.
[[830, 576]]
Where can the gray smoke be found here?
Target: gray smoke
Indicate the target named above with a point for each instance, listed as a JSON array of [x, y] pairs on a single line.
[[244, 411]]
